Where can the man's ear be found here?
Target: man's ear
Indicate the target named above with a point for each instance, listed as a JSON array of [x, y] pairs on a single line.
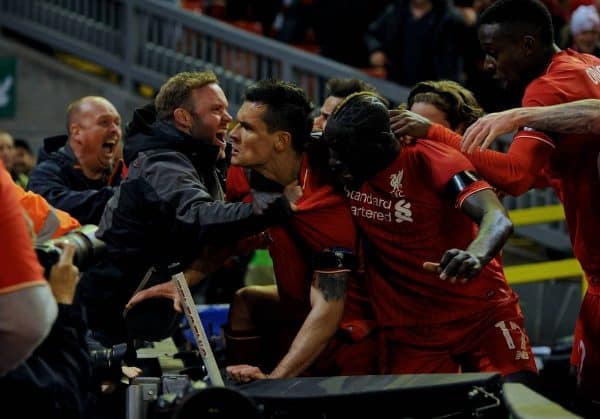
[[182, 117], [283, 141], [73, 129], [529, 44]]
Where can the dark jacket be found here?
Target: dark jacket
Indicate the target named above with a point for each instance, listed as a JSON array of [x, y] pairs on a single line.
[[60, 180], [55, 380], [165, 211], [426, 49]]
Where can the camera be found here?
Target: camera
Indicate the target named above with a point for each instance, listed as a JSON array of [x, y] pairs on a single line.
[[87, 248], [102, 357]]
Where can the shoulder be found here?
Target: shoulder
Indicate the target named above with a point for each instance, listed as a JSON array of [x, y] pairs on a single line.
[[562, 78], [434, 151], [167, 160]]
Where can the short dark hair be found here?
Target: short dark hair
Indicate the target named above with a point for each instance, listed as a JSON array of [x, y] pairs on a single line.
[[22, 143], [345, 87], [458, 103], [519, 17], [288, 109], [342, 88]]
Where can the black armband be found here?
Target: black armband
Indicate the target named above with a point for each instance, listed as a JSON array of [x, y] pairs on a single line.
[[336, 258], [460, 181]]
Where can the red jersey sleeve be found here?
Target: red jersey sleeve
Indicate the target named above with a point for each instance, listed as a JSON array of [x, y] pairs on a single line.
[[19, 267], [443, 163], [513, 172]]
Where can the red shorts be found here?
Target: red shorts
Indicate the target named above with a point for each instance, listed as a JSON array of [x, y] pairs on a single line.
[[344, 356], [586, 348], [490, 341]]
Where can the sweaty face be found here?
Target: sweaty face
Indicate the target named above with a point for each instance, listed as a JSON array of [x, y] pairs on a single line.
[[96, 133], [252, 144], [505, 59], [430, 112], [209, 116], [326, 110]]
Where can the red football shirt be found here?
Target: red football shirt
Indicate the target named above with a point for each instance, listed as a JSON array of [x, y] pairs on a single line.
[[573, 165], [322, 220], [19, 267], [407, 218]]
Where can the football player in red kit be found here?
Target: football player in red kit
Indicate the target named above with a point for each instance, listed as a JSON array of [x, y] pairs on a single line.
[[420, 206], [521, 52], [315, 319]]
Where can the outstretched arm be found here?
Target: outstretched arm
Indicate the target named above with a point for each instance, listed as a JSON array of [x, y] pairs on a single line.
[[495, 227], [513, 172], [580, 117], [327, 296]]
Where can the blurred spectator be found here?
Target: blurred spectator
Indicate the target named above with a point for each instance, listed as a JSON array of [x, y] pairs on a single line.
[[417, 40], [77, 173], [263, 11], [23, 161], [337, 90], [27, 308], [340, 26], [7, 149], [584, 31]]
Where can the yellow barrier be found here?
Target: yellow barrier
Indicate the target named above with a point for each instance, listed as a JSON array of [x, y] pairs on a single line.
[[542, 271], [537, 215]]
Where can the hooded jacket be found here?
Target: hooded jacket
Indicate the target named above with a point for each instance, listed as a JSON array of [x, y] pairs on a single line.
[[59, 178], [169, 207]]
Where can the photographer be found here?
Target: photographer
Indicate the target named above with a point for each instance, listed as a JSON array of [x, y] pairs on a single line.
[[57, 374], [27, 309]]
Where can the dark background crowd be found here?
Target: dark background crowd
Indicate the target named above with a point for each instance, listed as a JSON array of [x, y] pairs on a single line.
[[405, 41]]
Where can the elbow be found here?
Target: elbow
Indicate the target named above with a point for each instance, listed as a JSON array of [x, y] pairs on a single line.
[[518, 184], [42, 312], [40, 321], [507, 226], [503, 225]]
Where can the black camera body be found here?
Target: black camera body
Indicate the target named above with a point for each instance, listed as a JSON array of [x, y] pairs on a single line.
[[87, 248]]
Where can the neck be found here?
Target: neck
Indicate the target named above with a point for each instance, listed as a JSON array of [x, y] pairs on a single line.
[[544, 60], [91, 172], [284, 169]]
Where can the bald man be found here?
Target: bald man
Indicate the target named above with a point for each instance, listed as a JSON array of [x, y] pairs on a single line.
[[76, 172]]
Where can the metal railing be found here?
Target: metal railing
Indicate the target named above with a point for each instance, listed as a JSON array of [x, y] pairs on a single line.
[[146, 41]]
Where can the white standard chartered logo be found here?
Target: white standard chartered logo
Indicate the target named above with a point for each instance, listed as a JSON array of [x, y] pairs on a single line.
[[403, 211], [379, 209]]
